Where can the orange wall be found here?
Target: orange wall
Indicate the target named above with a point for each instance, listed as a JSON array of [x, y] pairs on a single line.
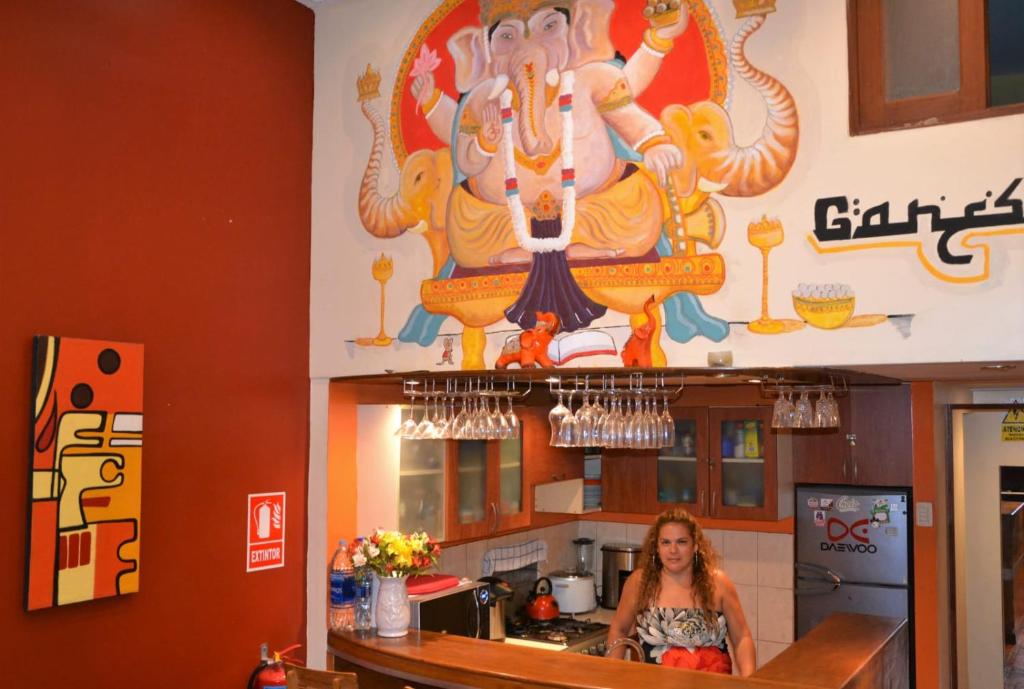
[[927, 606], [156, 189], [341, 465]]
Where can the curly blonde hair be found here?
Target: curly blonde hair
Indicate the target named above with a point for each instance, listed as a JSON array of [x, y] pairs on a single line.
[[705, 563]]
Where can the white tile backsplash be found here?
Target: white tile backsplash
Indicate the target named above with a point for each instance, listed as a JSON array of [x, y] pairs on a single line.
[[775, 560], [748, 601], [766, 650], [740, 557], [453, 561], [475, 558], [717, 538], [636, 533], [774, 614], [611, 532]]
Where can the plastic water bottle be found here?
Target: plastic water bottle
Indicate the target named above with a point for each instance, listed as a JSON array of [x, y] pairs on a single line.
[[364, 596], [343, 589]]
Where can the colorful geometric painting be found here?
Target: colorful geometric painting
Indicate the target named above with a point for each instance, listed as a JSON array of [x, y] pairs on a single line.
[[85, 473]]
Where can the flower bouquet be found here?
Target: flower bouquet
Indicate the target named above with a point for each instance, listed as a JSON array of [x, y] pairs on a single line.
[[394, 554]]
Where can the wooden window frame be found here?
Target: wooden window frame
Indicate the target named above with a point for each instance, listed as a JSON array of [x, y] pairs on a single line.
[[870, 112]]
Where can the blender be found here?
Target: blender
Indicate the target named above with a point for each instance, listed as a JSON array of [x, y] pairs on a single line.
[[584, 555]]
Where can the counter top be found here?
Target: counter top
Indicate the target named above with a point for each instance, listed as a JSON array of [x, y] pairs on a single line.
[[845, 652]]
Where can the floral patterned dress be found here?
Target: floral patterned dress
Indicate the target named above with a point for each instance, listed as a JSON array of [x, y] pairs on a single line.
[[681, 637]]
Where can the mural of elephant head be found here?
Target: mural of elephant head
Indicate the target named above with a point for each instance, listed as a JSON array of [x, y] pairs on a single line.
[[528, 49], [420, 203], [714, 162]]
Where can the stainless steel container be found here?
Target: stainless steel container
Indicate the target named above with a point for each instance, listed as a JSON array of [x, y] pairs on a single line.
[[618, 560]]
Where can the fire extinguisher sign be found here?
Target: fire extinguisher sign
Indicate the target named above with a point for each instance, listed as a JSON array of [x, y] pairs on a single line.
[[265, 542]]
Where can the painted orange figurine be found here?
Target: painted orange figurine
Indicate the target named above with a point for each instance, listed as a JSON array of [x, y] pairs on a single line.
[[637, 350], [531, 347]]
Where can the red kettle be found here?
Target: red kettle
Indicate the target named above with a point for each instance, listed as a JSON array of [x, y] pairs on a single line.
[[540, 604]]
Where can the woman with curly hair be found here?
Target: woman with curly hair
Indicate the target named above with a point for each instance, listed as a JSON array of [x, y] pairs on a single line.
[[680, 604]]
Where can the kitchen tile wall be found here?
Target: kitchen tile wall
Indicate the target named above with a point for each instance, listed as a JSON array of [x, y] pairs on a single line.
[[759, 564]]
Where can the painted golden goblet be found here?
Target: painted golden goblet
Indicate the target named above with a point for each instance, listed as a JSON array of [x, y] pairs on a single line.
[[382, 269], [765, 235]]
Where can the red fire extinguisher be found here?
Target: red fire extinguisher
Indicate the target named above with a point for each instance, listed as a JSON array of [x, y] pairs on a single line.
[[270, 673]]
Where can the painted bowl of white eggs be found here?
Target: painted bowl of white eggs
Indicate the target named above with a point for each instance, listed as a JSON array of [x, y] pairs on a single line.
[[826, 306]]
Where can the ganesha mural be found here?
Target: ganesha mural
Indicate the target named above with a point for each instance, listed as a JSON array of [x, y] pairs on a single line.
[[550, 173]]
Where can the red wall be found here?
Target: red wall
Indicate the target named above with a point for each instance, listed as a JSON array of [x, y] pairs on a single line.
[[155, 188]]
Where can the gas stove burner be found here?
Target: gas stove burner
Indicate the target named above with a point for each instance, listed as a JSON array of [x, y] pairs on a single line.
[[562, 634]]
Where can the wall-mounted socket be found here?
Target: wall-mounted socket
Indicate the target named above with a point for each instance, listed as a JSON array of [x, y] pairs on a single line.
[[264, 651]]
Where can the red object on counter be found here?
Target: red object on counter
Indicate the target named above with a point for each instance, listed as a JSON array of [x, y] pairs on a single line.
[[428, 583], [540, 604]]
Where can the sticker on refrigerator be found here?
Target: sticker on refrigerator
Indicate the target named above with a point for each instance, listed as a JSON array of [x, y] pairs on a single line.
[[826, 504], [880, 512], [812, 503], [848, 504], [819, 517]]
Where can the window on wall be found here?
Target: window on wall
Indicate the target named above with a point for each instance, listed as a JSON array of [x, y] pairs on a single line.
[[922, 62]]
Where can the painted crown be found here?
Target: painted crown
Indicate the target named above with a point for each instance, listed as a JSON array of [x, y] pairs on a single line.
[[493, 11], [368, 84], [746, 8]]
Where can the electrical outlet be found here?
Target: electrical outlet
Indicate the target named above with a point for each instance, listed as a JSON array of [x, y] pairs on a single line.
[[264, 651]]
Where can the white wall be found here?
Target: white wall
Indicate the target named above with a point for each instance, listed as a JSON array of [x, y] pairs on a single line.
[[961, 162], [377, 456]]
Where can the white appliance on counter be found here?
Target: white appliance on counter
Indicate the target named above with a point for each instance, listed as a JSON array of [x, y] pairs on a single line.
[[574, 592]]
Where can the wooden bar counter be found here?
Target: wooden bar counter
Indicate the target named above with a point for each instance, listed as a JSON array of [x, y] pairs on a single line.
[[846, 651]]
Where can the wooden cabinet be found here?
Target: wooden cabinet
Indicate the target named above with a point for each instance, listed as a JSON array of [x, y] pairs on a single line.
[[484, 483], [873, 445], [723, 464]]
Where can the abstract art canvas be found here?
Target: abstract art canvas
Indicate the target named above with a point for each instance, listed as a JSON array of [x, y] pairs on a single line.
[[85, 471]]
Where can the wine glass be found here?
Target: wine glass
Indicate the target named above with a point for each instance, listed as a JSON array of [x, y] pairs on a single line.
[[499, 421], [425, 428], [406, 428], [568, 434], [668, 425], [442, 425], [460, 421], [803, 415], [512, 420], [555, 419], [782, 411], [585, 421]]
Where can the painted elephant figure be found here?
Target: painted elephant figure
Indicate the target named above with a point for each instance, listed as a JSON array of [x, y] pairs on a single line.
[[528, 47], [420, 203], [713, 160], [531, 347]]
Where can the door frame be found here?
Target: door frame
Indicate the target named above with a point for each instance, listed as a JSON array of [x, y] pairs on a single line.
[[953, 417]]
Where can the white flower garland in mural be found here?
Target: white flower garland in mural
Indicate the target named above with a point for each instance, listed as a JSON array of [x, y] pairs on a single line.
[[515, 203]]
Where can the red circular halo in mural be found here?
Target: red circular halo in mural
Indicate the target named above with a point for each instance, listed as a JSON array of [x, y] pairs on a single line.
[[696, 69]]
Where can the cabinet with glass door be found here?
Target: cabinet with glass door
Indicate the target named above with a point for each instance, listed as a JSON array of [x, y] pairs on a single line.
[[485, 482], [721, 465]]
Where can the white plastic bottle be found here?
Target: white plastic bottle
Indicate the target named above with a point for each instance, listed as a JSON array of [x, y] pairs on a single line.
[[343, 589]]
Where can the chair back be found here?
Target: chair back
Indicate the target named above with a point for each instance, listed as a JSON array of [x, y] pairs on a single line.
[[305, 678]]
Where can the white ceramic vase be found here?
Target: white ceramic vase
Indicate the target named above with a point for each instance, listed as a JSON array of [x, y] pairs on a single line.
[[392, 607]]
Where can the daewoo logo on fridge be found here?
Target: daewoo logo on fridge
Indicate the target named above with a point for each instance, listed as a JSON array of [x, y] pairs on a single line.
[[837, 530]]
